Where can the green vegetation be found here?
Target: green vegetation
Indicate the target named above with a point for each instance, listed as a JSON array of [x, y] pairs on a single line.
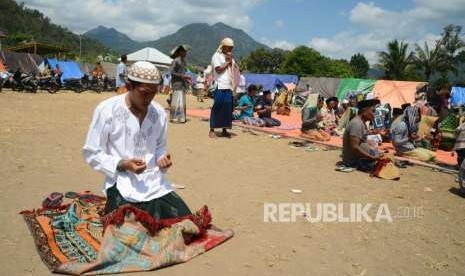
[[302, 61], [442, 64], [27, 25]]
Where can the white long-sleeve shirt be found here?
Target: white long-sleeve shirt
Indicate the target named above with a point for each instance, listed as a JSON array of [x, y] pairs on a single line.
[[115, 134]]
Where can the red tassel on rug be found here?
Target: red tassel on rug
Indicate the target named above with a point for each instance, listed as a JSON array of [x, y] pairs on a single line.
[[201, 218]]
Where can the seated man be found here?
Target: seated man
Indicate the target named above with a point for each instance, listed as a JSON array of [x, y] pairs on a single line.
[[247, 107], [355, 151], [311, 119], [127, 143], [329, 120], [264, 109], [404, 135]]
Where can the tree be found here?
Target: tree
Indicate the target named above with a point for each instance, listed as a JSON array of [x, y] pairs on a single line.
[[451, 43], [430, 61], [337, 69], [302, 61], [263, 61], [396, 60], [461, 57], [359, 65], [24, 25]]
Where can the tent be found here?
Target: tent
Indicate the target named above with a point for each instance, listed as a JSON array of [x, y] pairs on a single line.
[[70, 69], [326, 87], [288, 79], [396, 93], [457, 96], [267, 81], [28, 63], [347, 86], [152, 55], [86, 68], [110, 69]]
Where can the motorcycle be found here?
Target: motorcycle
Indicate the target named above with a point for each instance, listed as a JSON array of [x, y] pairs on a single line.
[[51, 84], [3, 79], [23, 82], [97, 84], [75, 85]]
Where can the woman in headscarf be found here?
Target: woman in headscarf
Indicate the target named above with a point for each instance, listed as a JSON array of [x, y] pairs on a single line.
[[404, 135], [179, 84], [225, 73], [312, 127]]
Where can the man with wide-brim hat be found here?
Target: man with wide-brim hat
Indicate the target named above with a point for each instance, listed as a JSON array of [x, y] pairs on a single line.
[[175, 52], [355, 150], [127, 143], [180, 82]]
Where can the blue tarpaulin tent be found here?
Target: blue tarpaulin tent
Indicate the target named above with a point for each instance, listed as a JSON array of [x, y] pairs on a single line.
[[70, 69], [457, 96], [288, 78], [267, 81]]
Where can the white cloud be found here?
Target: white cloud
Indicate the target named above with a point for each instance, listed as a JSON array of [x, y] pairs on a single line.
[[281, 44], [279, 23], [372, 27], [345, 44], [143, 19]]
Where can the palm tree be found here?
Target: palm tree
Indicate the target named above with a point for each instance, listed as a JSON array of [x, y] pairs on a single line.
[[430, 60], [396, 60]]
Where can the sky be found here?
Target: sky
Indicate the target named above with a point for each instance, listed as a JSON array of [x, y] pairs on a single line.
[[336, 28]]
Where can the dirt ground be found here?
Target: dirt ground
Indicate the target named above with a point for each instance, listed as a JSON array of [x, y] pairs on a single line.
[[40, 148]]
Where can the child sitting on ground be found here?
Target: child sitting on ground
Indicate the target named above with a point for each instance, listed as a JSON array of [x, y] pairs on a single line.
[[264, 109], [246, 107]]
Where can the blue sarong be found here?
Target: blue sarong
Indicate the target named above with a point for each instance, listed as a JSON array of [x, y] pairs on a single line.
[[221, 114]]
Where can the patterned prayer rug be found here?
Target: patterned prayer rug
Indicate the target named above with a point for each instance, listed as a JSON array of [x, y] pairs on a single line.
[[76, 239]]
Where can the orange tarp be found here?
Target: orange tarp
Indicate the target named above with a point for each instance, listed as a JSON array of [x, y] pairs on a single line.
[[290, 127], [396, 93]]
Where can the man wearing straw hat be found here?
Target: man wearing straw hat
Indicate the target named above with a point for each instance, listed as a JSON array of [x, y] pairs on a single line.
[[225, 71], [179, 83], [127, 143]]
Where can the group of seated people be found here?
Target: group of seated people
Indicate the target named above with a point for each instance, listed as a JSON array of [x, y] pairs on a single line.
[[321, 118], [360, 121], [248, 105], [403, 133]]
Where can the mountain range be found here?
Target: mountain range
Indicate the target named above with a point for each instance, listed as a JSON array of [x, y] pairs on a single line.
[[203, 39]]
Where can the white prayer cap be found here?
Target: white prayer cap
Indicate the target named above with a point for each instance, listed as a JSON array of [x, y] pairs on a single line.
[[144, 72]]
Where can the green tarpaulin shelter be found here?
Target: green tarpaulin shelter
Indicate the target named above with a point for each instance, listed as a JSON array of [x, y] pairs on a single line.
[[356, 86]]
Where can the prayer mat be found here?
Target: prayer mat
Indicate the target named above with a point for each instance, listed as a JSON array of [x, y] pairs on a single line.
[[77, 239]]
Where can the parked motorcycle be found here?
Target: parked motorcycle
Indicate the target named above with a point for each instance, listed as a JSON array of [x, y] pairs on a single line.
[[75, 85], [4, 76], [97, 84], [23, 82], [51, 84]]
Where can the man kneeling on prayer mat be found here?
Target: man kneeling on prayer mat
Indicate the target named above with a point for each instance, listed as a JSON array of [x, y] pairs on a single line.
[[247, 106], [356, 152], [127, 143]]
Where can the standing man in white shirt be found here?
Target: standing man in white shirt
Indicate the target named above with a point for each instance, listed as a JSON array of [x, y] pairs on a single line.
[[121, 75], [127, 143], [223, 68]]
